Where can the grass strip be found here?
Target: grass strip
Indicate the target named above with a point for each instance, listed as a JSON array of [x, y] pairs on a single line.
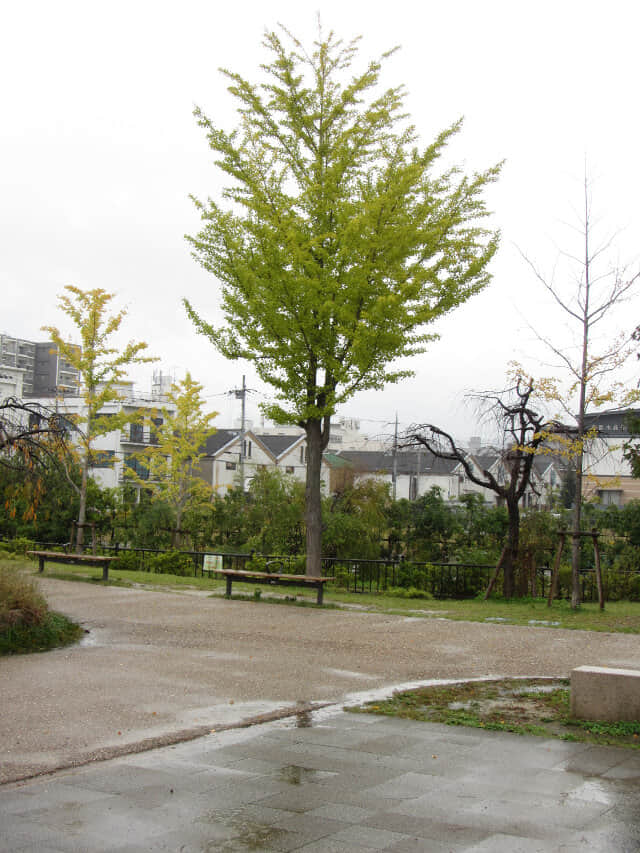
[[538, 707], [618, 616]]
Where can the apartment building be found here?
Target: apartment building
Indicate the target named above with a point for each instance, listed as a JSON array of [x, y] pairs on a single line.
[[43, 371]]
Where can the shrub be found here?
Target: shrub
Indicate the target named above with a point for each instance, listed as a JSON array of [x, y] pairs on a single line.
[[21, 602], [258, 564], [342, 576], [18, 546], [128, 560], [408, 592], [52, 631], [170, 563], [621, 584], [297, 565], [167, 562]]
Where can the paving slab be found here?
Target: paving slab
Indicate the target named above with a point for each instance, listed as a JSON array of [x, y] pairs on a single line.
[[139, 716], [180, 798]]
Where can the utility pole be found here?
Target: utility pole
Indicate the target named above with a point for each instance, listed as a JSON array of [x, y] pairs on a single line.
[[394, 472], [242, 395]]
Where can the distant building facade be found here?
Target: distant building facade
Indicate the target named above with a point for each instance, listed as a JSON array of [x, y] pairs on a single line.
[[113, 452], [608, 477], [45, 373]]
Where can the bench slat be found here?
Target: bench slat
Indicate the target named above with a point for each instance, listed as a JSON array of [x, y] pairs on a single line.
[[73, 559], [276, 579]]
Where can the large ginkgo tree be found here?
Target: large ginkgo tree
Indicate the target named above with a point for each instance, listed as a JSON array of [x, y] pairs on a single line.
[[337, 240]]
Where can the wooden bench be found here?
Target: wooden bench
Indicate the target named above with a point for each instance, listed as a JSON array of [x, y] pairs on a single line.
[[273, 579], [73, 559]]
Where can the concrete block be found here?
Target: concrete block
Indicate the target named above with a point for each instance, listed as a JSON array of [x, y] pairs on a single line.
[[604, 693]]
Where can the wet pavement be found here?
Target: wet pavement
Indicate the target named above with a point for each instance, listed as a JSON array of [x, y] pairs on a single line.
[[334, 782], [161, 667]]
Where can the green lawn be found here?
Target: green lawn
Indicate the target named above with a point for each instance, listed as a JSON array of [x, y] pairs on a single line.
[[619, 616]]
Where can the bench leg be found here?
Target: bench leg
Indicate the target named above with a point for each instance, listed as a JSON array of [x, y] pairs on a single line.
[[105, 572], [41, 564], [229, 582], [320, 592]]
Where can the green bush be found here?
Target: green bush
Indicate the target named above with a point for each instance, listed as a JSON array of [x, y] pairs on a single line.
[[297, 565], [258, 564], [54, 630], [621, 585], [165, 563], [18, 546], [21, 602], [408, 592], [170, 563], [410, 576], [342, 576], [128, 560]]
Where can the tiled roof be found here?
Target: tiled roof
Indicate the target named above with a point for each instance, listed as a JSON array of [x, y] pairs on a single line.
[[377, 461], [278, 444], [219, 439]]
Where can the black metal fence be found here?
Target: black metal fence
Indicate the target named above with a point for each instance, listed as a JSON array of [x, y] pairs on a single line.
[[441, 580]]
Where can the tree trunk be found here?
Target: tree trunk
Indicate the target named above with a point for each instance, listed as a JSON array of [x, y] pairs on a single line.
[[176, 532], [313, 508], [576, 549], [82, 508], [582, 405], [513, 542]]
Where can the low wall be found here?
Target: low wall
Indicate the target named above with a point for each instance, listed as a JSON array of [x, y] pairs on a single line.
[[604, 693]]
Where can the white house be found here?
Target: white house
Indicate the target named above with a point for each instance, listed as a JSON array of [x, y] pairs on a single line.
[[416, 472], [11, 382], [222, 465], [607, 473], [115, 450], [546, 477]]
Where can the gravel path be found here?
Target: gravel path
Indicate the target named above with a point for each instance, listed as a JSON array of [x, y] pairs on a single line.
[[157, 667]]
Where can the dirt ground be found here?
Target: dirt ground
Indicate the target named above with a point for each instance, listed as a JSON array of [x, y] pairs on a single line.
[[157, 667]]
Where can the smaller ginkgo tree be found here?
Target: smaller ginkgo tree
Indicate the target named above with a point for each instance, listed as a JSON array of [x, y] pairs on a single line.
[[103, 365], [169, 468]]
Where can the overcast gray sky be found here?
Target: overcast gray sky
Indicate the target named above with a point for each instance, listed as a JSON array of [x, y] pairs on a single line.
[[100, 152]]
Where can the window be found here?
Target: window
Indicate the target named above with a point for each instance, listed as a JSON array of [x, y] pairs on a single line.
[[102, 458], [246, 447], [303, 454], [136, 433], [230, 466], [153, 435], [290, 469], [131, 462], [610, 497]]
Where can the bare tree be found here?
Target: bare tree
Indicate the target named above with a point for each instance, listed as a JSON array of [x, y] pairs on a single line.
[[524, 430], [33, 440], [30, 433], [596, 289]]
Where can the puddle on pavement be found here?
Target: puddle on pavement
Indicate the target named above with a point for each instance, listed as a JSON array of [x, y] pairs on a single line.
[[593, 791], [92, 638], [304, 719], [347, 673], [293, 774], [251, 835]]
